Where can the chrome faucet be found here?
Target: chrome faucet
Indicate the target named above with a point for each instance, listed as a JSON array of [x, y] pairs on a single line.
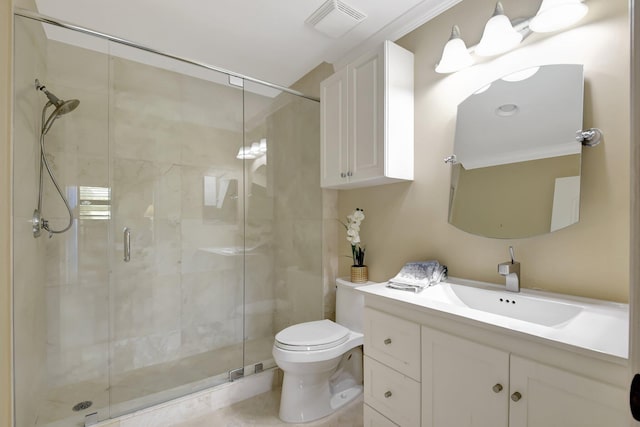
[[511, 270]]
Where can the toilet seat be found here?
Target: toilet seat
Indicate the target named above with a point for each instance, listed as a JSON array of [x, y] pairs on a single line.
[[312, 336]]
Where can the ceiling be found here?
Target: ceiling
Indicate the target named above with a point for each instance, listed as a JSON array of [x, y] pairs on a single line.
[[264, 39]]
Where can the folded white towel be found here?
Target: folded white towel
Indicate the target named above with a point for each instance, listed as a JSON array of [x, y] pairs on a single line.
[[415, 276]]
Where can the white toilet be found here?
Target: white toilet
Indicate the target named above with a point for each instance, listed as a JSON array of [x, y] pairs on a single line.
[[322, 360]]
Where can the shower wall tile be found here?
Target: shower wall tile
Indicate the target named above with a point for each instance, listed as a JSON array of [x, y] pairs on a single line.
[[136, 137], [79, 257], [84, 130], [211, 310], [77, 317], [192, 192], [70, 367], [134, 186], [140, 352], [29, 301], [211, 147], [295, 156], [144, 306], [161, 85], [202, 245], [78, 68]]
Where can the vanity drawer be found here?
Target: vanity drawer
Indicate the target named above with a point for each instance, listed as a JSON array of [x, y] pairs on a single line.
[[392, 341], [394, 395], [373, 418]]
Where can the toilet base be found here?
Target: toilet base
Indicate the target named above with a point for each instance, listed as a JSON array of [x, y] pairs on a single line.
[[298, 409], [307, 397]]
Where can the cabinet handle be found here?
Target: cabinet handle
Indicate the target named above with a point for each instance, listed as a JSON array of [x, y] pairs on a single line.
[[497, 388], [387, 341], [349, 173], [343, 175], [387, 394], [516, 396]]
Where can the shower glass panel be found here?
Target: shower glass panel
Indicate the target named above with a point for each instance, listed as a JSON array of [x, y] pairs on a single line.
[[61, 292], [214, 185], [177, 305], [283, 231]]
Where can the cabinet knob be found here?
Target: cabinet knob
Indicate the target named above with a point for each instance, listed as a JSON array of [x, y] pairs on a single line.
[[343, 175], [349, 173], [497, 388], [387, 394], [516, 396], [387, 341]]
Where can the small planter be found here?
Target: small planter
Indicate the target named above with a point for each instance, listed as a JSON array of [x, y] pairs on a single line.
[[359, 274]]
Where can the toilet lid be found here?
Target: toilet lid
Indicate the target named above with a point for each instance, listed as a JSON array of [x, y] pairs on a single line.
[[317, 335]]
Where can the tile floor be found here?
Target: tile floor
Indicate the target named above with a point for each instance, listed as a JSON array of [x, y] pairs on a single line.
[[262, 410]]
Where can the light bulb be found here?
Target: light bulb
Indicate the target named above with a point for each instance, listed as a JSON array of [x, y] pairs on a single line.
[[455, 55], [555, 15], [499, 35]]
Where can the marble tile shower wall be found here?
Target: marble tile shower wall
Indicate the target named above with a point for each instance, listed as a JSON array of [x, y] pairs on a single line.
[[298, 212], [29, 253]]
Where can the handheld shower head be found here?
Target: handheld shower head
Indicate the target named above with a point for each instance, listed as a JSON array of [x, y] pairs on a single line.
[[62, 107]]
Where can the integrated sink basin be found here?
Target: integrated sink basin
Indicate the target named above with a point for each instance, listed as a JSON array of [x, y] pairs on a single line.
[[585, 323], [517, 306]]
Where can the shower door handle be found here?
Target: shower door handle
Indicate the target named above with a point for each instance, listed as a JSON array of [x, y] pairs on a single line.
[[127, 244]]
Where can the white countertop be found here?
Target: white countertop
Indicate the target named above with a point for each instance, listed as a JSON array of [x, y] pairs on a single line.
[[598, 326]]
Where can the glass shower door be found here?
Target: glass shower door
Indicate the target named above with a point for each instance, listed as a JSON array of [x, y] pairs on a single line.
[[177, 303], [283, 231]]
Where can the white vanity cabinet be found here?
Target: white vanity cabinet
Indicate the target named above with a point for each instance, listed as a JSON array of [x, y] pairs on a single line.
[[463, 383], [366, 116], [554, 397], [468, 384], [391, 370], [469, 375]]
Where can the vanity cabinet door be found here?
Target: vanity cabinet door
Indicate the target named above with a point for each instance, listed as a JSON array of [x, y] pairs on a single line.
[[334, 133], [549, 397], [366, 86], [366, 119], [464, 384]]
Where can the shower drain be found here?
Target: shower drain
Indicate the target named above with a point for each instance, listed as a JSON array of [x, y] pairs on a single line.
[[82, 405]]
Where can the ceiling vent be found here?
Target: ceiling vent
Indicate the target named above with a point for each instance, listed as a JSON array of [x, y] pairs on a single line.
[[335, 18]]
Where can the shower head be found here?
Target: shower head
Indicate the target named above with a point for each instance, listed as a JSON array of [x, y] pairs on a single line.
[[66, 107], [62, 107]]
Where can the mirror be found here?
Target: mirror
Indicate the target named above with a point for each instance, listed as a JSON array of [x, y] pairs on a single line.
[[517, 161]]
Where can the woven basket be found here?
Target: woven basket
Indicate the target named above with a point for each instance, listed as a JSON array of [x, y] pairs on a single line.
[[359, 274]]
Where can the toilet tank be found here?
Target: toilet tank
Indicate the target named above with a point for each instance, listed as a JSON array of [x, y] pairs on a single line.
[[349, 305]]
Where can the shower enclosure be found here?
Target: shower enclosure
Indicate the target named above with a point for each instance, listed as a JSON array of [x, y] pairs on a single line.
[[196, 228]]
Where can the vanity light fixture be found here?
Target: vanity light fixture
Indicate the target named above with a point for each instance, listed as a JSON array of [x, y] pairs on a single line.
[[455, 55], [500, 35], [555, 15]]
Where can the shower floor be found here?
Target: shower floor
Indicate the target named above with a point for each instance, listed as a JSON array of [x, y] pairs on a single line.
[[150, 385]]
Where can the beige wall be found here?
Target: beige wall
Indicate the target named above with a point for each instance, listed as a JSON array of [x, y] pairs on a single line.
[[408, 222], [6, 37]]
